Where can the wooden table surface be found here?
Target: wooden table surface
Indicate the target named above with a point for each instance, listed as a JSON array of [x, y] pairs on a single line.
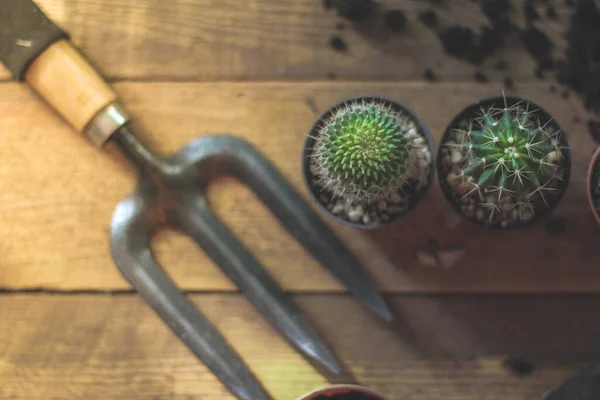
[[72, 328]]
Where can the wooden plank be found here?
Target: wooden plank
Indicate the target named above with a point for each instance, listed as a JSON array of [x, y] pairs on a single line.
[[57, 194], [265, 40], [102, 347]]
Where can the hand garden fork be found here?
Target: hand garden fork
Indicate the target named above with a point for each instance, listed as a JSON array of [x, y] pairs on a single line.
[[172, 191]]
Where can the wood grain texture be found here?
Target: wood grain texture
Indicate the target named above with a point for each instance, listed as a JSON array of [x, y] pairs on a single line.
[[57, 194], [102, 347], [274, 40]]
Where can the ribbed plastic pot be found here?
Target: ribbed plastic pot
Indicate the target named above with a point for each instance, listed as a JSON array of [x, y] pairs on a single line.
[[324, 198]]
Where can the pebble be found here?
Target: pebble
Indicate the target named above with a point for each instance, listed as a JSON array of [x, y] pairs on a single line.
[[339, 207], [451, 177], [505, 203], [419, 141], [355, 213], [366, 219], [553, 156], [426, 258], [412, 132], [396, 210], [456, 156], [460, 137], [526, 214], [426, 155], [515, 214], [462, 188], [395, 198], [449, 258], [480, 215]]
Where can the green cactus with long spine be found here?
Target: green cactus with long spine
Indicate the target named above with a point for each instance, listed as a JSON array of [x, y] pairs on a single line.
[[363, 152], [510, 153]]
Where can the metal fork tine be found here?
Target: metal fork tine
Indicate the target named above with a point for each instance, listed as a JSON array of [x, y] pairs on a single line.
[[130, 232], [200, 223], [304, 224]]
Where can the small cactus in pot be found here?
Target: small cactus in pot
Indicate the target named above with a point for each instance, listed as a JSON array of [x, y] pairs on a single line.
[[504, 163], [368, 161]]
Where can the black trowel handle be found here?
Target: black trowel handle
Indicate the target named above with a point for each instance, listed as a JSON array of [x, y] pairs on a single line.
[[38, 52]]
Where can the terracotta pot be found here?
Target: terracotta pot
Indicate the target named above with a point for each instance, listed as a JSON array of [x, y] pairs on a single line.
[[343, 392], [592, 180]]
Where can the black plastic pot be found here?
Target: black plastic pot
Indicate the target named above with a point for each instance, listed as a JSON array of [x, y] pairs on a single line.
[[343, 392], [474, 111], [324, 198]]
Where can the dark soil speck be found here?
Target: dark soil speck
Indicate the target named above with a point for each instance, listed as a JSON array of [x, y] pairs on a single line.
[[564, 94], [429, 76], [462, 42], [580, 68], [538, 73], [538, 46], [519, 366], [395, 20], [530, 12], [480, 77], [594, 130], [551, 13], [429, 18], [509, 83], [553, 89], [338, 44], [501, 65], [353, 10], [459, 41]]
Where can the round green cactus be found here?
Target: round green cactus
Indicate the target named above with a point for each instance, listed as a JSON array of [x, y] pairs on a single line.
[[363, 152], [509, 152]]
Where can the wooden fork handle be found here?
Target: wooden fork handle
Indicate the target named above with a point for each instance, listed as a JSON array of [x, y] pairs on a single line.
[[38, 52]]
